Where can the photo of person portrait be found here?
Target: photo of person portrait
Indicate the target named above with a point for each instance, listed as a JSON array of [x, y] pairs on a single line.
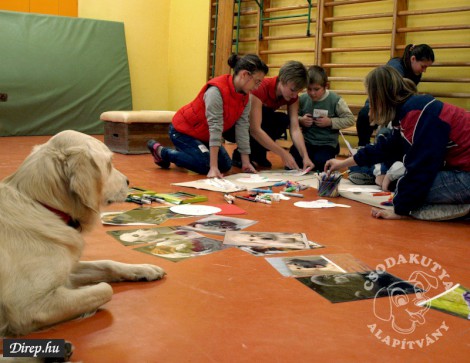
[[357, 286], [219, 224], [267, 239]]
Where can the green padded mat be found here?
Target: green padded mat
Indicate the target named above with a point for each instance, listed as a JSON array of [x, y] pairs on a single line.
[[60, 73]]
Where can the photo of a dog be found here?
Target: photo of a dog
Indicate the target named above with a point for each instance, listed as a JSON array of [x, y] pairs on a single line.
[[53, 197]]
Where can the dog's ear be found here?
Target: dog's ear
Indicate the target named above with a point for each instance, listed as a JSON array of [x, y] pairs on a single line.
[[85, 178]]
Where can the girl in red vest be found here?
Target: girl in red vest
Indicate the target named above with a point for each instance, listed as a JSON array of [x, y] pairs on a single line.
[[196, 129]]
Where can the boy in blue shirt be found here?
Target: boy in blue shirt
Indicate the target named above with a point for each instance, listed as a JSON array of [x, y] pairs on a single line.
[[322, 113]]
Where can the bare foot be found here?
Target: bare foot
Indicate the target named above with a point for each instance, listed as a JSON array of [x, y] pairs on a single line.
[[385, 214]]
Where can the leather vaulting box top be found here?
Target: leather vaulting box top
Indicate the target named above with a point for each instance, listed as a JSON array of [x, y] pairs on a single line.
[[138, 116]]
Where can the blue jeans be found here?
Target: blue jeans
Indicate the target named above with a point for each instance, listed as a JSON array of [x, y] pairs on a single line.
[[193, 154], [450, 187]]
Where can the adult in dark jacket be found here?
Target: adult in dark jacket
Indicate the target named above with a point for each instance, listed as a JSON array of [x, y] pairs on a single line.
[[430, 137], [414, 62]]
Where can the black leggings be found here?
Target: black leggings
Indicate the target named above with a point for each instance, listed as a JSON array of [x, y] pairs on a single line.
[[363, 127], [273, 123]]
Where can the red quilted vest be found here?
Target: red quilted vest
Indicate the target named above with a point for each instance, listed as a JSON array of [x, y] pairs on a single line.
[[191, 119]]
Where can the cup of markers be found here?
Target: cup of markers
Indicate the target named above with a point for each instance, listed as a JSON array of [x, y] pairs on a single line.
[[328, 184]]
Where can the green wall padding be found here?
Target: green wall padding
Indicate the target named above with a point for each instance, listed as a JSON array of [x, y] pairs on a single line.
[[60, 73]]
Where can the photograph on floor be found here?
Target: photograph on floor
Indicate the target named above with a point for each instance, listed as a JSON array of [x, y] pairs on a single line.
[[455, 301], [303, 266], [141, 216], [132, 237], [219, 225], [358, 286], [181, 245], [267, 239]]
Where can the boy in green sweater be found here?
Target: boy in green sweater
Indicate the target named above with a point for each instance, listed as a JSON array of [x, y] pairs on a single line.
[[322, 113]]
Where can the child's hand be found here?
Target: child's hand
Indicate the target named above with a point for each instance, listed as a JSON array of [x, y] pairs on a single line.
[[332, 165], [306, 120], [322, 122], [214, 173], [289, 161], [308, 164], [383, 181], [249, 168]]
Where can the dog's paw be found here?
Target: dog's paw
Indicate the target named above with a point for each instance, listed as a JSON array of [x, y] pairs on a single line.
[[145, 272]]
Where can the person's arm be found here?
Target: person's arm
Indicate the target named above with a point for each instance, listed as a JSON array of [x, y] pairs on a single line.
[[297, 136], [215, 119], [345, 117], [262, 137], [387, 148], [338, 164], [242, 138], [214, 171], [305, 118]]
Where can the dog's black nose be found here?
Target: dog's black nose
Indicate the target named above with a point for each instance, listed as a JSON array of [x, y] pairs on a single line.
[[127, 181]]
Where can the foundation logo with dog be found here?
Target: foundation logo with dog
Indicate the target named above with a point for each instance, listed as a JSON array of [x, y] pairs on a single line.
[[400, 321]]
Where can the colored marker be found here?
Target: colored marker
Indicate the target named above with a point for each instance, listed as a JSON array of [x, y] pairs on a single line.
[[298, 195], [229, 198], [256, 190], [136, 200], [258, 199], [245, 198], [154, 198]]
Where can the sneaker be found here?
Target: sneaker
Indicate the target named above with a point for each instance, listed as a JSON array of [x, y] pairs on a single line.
[[236, 159], [441, 212], [153, 146], [361, 178]]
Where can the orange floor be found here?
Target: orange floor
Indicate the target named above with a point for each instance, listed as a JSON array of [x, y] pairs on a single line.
[[231, 306]]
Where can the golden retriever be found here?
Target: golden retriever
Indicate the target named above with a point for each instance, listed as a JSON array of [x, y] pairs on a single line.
[[52, 198]]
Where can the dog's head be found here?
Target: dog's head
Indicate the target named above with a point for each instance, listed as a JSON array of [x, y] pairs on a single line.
[[73, 173]]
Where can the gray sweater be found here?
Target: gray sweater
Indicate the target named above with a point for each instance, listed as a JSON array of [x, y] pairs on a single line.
[[215, 119]]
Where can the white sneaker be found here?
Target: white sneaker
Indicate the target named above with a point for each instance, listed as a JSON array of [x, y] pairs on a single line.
[[441, 212]]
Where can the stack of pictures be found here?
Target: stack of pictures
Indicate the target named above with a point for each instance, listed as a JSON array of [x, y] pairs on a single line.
[[267, 243], [171, 243], [341, 277]]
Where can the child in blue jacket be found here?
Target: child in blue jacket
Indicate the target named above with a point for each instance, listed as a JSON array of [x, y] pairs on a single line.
[[430, 137]]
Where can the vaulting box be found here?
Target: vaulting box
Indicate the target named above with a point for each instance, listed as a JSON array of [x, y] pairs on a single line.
[[127, 132]]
